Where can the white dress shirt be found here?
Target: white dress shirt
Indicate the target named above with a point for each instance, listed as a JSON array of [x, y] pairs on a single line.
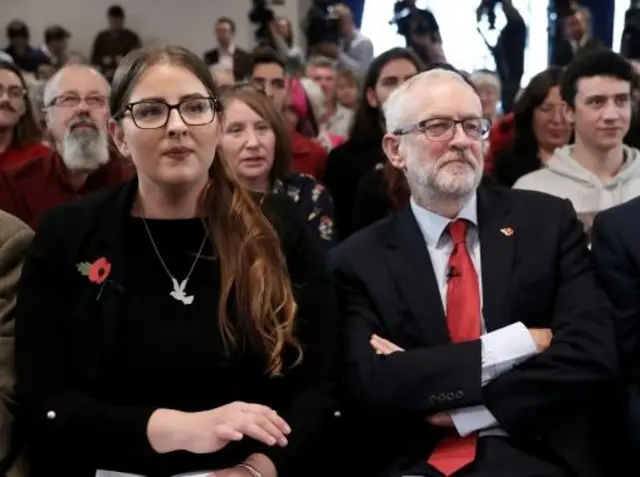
[[502, 349], [225, 57]]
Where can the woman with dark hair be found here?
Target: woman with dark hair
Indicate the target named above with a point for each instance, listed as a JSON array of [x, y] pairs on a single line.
[[175, 324], [257, 146], [539, 127], [20, 133], [348, 163]]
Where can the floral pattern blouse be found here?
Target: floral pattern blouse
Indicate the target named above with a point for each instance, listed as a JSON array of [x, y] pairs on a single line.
[[313, 200]]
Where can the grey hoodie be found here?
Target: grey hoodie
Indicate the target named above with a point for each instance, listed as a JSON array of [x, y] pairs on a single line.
[[564, 177]]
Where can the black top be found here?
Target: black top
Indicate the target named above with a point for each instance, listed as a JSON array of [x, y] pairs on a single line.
[[94, 361], [347, 164], [512, 164]]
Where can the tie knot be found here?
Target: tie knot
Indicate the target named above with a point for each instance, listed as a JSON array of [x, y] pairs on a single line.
[[458, 231]]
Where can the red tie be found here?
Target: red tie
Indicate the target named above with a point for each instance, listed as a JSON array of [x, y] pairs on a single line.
[[463, 319]]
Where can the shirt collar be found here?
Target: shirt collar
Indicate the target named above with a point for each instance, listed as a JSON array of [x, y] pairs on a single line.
[[433, 225], [45, 49], [229, 51]]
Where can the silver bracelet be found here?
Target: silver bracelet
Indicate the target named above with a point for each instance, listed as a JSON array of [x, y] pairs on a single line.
[[251, 469]]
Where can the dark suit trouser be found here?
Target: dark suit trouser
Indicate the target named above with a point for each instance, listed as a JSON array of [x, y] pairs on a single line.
[[499, 457]]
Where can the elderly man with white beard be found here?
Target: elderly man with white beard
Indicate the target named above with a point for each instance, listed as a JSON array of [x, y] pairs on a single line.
[[76, 103], [478, 341]]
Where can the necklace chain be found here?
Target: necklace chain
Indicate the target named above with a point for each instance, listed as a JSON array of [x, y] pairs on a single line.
[[162, 262]]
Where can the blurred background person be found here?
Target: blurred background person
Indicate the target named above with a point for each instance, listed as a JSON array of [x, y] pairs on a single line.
[[310, 108], [487, 85], [538, 127], [112, 45], [227, 54], [20, 132], [56, 44], [283, 40], [362, 153], [347, 88], [257, 146], [25, 56], [355, 51], [576, 37], [81, 161], [323, 72]]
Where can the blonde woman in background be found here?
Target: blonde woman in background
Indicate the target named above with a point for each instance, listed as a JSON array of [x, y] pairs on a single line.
[[488, 86], [312, 115], [347, 88]]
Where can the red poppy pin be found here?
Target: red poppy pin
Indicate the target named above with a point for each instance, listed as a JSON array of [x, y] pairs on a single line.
[[97, 271]]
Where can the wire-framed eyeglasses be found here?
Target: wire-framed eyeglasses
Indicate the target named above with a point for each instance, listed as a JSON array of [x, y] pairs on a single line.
[[444, 129], [13, 92], [154, 114]]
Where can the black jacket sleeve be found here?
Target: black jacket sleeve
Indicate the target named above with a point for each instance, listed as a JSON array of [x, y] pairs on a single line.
[[55, 414]]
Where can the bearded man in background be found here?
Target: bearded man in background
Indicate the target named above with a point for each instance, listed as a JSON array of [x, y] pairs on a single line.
[[76, 113]]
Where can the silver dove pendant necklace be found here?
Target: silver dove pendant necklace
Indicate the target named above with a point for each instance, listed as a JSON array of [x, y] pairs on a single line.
[[179, 288]]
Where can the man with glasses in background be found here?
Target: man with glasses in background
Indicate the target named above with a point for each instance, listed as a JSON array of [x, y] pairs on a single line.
[[76, 114], [477, 338]]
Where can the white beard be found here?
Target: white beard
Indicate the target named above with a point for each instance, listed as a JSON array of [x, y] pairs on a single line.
[[433, 183], [85, 150]]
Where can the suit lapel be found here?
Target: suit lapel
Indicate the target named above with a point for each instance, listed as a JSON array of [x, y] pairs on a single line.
[[498, 237], [409, 261]]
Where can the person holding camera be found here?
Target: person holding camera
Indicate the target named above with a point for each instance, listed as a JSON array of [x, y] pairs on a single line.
[[421, 31], [355, 51]]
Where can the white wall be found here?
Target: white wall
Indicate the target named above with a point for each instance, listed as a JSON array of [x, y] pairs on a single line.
[[463, 45], [187, 23]]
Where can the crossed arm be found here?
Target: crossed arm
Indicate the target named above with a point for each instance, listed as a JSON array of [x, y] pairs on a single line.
[[475, 418]]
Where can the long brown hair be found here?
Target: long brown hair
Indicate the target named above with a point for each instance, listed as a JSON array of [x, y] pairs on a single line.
[[255, 284], [27, 130], [264, 107], [397, 186]]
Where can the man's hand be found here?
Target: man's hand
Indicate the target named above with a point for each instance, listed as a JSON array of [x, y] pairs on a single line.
[[329, 49], [542, 337], [442, 419], [383, 347]]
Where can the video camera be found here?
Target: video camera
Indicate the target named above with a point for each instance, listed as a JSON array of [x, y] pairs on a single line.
[[412, 21], [262, 16], [488, 7], [321, 23]]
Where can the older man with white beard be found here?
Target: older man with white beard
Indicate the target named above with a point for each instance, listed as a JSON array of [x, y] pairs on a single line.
[[76, 111], [478, 341]]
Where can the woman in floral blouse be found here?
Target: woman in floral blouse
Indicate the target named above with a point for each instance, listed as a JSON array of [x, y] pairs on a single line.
[[256, 145]]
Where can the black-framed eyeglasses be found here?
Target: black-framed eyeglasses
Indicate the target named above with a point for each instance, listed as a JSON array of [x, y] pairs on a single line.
[[444, 129], [13, 92], [94, 101], [154, 114]]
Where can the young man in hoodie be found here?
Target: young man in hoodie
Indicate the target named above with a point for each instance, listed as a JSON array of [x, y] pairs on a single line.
[[598, 171]]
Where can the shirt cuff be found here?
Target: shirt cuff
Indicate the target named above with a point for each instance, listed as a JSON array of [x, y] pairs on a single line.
[[504, 349], [472, 419]]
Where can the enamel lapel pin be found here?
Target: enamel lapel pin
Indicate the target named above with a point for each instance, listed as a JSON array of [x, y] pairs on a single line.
[[507, 231]]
